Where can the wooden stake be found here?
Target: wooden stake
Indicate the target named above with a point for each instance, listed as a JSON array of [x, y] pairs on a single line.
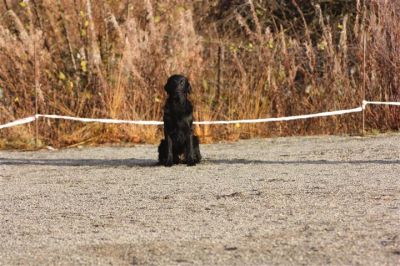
[[364, 73], [219, 70], [35, 69]]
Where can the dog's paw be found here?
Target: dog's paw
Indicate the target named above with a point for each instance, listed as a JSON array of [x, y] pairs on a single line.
[[168, 162], [191, 162]]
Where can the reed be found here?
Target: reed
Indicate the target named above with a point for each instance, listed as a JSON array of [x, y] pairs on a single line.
[[245, 60]]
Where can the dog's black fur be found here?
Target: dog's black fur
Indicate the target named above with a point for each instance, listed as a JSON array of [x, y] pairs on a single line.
[[178, 119]]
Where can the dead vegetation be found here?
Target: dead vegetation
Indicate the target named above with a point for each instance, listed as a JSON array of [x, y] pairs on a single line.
[[246, 59]]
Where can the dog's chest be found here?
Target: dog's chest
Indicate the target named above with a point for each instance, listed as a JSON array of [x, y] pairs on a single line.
[[180, 124], [179, 127]]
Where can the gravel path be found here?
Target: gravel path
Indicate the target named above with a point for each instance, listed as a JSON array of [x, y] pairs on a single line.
[[310, 201]]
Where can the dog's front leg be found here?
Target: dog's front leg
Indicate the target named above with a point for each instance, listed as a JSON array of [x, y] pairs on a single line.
[[170, 156], [190, 161]]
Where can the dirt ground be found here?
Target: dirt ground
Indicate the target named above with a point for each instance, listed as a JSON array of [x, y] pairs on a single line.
[[285, 201]]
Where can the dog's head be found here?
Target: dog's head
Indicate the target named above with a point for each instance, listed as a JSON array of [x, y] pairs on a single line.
[[178, 87]]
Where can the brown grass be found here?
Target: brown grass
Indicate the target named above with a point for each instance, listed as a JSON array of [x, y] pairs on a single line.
[[110, 59]]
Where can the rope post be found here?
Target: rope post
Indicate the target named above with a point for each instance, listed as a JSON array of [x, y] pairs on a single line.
[[35, 69], [219, 69], [364, 70], [364, 84]]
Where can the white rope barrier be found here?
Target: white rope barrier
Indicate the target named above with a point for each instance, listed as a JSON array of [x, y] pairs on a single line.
[[222, 122], [19, 122], [279, 119], [365, 103], [101, 120]]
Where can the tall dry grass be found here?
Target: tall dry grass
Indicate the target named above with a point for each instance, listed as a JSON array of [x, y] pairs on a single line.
[[111, 58]]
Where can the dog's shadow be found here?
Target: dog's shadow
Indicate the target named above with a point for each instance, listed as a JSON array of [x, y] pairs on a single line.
[[299, 162], [133, 162]]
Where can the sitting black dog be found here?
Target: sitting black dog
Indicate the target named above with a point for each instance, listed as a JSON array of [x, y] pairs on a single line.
[[178, 119]]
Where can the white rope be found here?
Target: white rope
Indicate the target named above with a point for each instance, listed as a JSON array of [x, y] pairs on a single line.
[[263, 120], [101, 120], [365, 103], [221, 122], [278, 119], [19, 122]]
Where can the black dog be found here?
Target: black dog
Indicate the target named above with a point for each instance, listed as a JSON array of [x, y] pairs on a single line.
[[178, 119]]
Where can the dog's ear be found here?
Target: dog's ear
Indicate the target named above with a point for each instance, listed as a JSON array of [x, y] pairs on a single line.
[[170, 85], [168, 88]]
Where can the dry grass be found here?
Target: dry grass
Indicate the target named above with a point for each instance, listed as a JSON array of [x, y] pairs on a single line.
[[111, 59]]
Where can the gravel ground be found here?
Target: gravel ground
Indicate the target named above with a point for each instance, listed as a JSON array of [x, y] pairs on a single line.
[[310, 201]]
